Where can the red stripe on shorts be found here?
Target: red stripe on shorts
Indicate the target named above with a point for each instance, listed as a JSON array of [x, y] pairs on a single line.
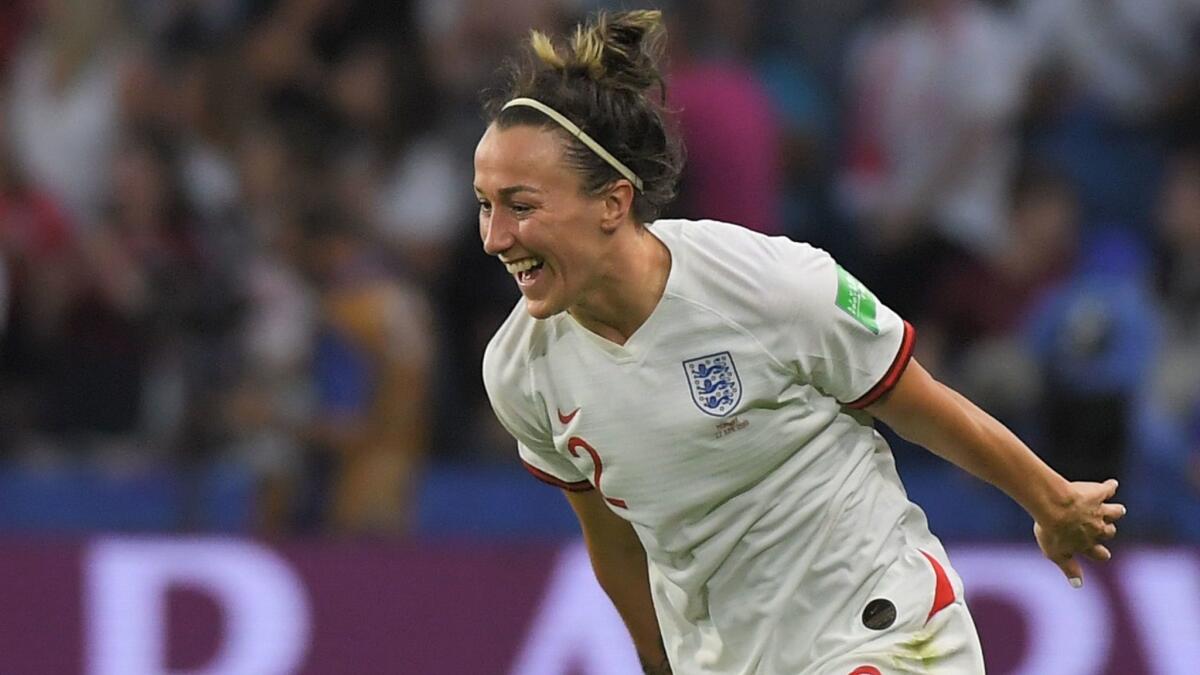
[[943, 593]]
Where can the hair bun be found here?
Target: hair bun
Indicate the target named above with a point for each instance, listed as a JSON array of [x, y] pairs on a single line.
[[619, 50], [598, 80]]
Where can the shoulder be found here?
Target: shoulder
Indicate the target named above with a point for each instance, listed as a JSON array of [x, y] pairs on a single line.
[[722, 259], [730, 242], [512, 349]]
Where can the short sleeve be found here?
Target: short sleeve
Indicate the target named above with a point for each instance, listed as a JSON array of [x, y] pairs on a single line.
[[843, 340], [523, 414]]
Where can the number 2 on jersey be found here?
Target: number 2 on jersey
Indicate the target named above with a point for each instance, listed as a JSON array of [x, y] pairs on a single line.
[[574, 444]]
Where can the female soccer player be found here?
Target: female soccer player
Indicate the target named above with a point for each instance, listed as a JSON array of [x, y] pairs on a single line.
[[705, 395]]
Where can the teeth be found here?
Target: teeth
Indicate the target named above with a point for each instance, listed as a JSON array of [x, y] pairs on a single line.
[[522, 265]]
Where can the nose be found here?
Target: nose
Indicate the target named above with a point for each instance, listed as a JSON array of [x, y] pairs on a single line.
[[497, 232]]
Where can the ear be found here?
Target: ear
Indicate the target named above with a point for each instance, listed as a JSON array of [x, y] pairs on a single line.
[[617, 205]]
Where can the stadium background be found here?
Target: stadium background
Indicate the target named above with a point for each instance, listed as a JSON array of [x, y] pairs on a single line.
[[242, 428]]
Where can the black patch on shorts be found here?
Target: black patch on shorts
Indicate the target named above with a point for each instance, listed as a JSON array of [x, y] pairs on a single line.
[[879, 614]]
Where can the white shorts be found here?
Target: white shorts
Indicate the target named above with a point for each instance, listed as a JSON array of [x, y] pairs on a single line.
[[915, 622]]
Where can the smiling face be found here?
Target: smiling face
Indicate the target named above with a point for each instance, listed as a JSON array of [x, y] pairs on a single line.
[[535, 217]]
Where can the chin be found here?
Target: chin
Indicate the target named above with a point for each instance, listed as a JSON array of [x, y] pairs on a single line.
[[541, 309]]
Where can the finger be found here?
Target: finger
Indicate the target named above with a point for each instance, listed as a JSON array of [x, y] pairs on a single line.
[[1112, 512], [1102, 531], [1110, 488], [1073, 570], [1098, 552]]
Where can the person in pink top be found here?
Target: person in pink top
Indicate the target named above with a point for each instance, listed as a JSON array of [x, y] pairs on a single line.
[[733, 138]]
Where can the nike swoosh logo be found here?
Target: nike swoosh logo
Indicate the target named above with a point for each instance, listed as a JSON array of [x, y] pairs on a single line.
[[566, 419]]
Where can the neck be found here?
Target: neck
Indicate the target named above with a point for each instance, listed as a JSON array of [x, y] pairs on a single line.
[[628, 289]]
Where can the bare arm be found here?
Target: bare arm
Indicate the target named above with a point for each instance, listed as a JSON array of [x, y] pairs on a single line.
[[619, 562], [1070, 518]]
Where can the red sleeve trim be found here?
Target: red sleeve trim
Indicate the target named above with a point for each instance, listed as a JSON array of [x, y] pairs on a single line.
[[581, 486], [892, 376]]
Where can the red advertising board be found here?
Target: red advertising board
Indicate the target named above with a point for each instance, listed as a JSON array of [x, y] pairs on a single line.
[[215, 606]]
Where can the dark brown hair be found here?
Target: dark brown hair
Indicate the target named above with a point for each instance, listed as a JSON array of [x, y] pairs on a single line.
[[601, 83]]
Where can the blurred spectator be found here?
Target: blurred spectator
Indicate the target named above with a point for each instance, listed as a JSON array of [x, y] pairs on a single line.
[[173, 294], [475, 300], [140, 280], [1135, 56], [266, 176], [203, 116], [817, 34], [37, 245], [1169, 440], [13, 17], [1109, 76], [482, 33], [729, 128], [1162, 487], [409, 182], [363, 93], [988, 298], [187, 24], [268, 406], [424, 205], [979, 306], [933, 93], [804, 110], [1177, 380], [1178, 242], [372, 378], [1095, 338], [63, 111]]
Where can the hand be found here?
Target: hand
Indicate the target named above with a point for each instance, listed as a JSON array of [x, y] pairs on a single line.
[[1086, 520]]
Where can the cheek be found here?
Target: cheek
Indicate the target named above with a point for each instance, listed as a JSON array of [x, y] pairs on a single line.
[[576, 259], [577, 246]]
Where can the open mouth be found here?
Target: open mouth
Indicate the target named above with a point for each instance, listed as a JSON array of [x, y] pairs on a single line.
[[525, 270]]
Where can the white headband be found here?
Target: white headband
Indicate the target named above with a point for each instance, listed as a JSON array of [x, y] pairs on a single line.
[[581, 135]]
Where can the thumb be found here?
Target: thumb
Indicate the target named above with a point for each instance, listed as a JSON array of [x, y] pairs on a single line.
[[1073, 570]]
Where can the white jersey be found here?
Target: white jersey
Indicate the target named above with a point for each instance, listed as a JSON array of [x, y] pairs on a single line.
[[724, 430]]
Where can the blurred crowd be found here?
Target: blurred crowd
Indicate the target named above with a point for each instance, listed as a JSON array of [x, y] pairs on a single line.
[[238, 237]]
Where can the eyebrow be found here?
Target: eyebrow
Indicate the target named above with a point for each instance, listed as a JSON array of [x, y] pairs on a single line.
[[509, 191]]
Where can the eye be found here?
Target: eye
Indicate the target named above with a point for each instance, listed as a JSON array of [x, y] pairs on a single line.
[[485, 205], [521, 210]]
